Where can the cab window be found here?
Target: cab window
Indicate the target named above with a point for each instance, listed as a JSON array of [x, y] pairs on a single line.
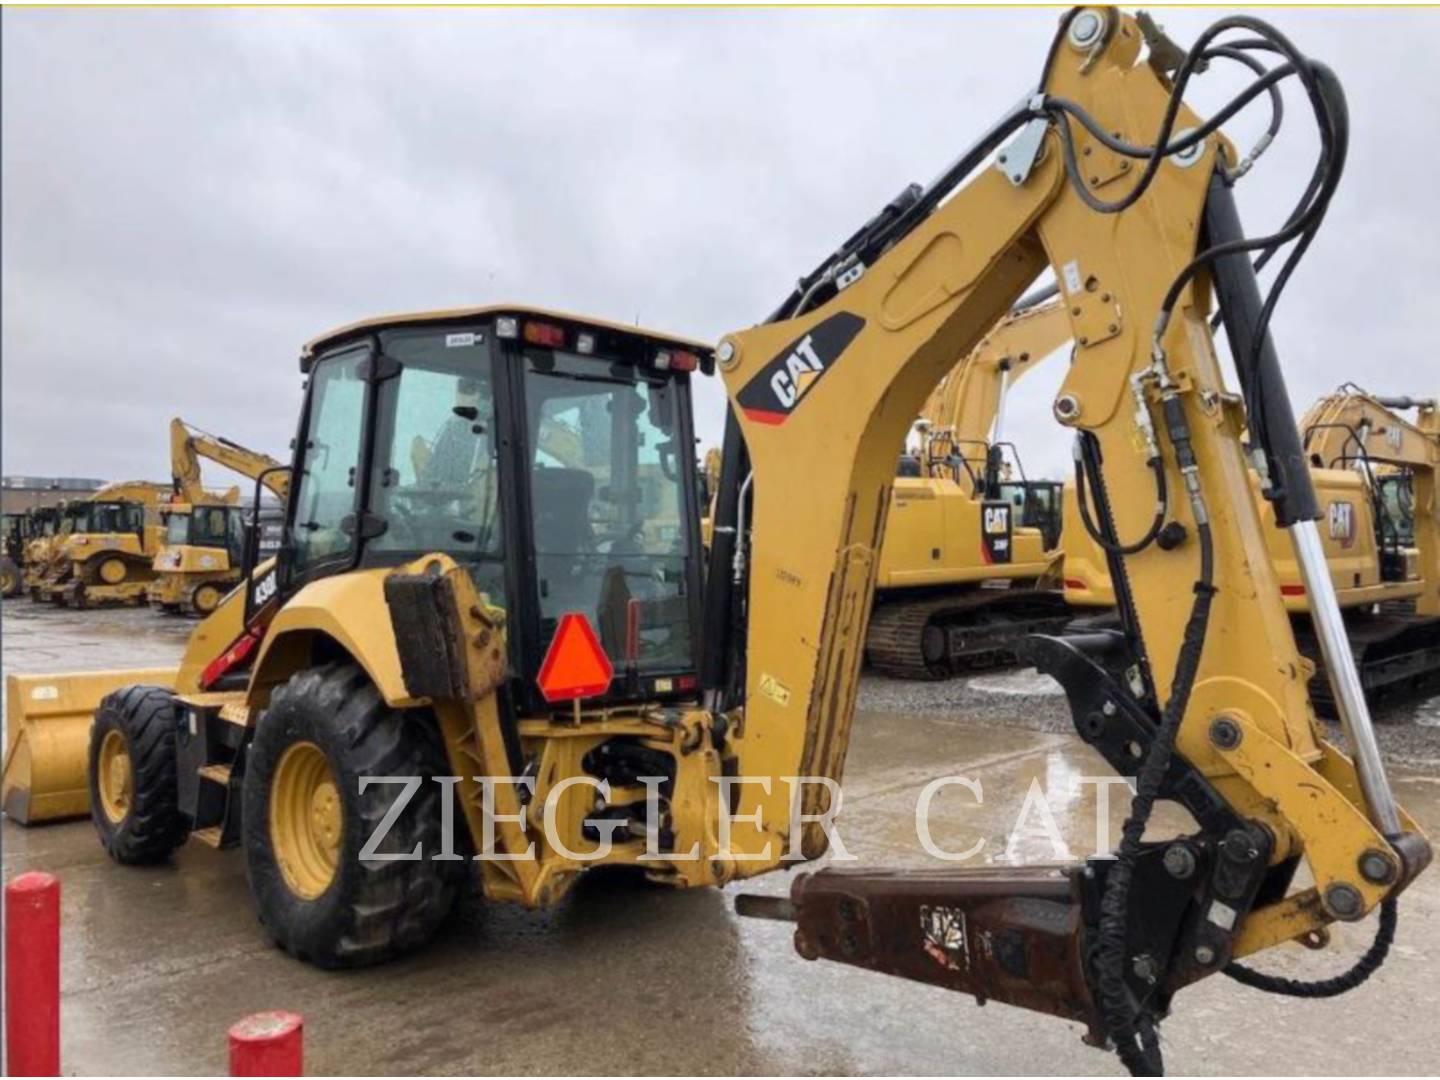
[[434, 479], [607, 506], [325, 495]]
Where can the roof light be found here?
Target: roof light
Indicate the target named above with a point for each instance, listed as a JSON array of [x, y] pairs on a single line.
[[585, 343], [548, 334], [676, 360], [507, 326]]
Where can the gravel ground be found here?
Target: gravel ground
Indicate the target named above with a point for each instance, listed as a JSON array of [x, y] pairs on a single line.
[[1408, 730]]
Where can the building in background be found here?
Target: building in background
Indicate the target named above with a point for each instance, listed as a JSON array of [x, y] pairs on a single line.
[[21, 493]]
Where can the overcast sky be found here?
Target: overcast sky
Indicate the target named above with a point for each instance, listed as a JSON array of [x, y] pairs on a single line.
[[190, 195]]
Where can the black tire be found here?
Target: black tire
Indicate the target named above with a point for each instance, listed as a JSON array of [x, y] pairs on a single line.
[[195, 608], [371, 910], [146, 718]]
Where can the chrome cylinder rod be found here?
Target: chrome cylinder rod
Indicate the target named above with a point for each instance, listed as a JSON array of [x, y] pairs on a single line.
[[1350, 703]]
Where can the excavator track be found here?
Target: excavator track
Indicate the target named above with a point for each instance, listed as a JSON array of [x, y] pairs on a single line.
[[939, 637], [1396, 652]]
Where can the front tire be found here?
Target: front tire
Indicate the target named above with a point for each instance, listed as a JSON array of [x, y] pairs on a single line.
[[306, 821], [131, 775], [205, 599]]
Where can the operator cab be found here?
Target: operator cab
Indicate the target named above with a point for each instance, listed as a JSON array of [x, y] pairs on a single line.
[[221, 527], [108, 516], [1038, 506], [550, 455]]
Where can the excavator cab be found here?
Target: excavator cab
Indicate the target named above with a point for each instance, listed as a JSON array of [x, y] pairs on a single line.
[[1039, 505]]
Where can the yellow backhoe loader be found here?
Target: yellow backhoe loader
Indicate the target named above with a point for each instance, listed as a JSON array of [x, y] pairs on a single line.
[[499, 614], [1371, 470], [969, 567], [106, 547], [199, 561]]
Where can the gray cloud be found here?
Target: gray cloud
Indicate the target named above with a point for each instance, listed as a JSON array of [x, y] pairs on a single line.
[[190, 195]]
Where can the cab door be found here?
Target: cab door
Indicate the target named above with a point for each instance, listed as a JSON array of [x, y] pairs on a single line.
[[319, 534]]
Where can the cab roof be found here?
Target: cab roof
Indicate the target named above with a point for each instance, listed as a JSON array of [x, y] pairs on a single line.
[[324, 341]]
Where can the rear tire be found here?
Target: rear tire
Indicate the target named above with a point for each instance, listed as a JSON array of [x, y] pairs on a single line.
[[364, 911], [136, 816]]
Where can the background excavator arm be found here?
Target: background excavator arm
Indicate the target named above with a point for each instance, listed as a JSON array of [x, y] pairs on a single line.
[[189, 444], [1206, 702], [965, 412]]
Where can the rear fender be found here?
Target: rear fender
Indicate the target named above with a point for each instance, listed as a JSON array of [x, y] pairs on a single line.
[[346, 612]]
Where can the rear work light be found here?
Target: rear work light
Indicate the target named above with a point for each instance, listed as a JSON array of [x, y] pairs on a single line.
[[676, 360], [507, 326], [547, 334], [585, 344]]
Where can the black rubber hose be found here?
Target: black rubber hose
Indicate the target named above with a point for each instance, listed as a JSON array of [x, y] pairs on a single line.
[[1366, 966], [1117, 548], [1132, 1033]]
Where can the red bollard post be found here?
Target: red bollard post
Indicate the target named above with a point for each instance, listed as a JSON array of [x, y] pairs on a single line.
[[32, 975], [268, 1044]]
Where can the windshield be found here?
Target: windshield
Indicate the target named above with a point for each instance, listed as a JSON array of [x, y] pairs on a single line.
[[210, 526], [177, 528], [106, 517], [607, 506]]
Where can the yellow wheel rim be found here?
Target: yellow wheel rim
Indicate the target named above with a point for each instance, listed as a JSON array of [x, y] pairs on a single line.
[[7, 582], [112, 571], [306, 820], [115, 778], [206, 597]]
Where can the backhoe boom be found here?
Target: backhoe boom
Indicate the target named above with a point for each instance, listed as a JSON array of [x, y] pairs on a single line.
[[1228, 729]]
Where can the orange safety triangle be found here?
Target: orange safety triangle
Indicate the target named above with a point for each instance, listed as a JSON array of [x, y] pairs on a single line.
[[575, 664]]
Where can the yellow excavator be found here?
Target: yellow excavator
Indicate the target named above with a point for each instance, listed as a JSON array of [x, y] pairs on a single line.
[[105, 547], [200, 558], [963, 577], [500, 616], [1371, 469]]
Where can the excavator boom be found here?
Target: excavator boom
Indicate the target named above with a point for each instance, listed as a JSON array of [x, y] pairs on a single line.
[[189, 444]]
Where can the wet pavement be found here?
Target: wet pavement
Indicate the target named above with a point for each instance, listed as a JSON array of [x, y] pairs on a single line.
[[626, 978]]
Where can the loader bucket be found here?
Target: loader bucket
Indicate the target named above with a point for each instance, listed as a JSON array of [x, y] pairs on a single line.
[[47, 739]]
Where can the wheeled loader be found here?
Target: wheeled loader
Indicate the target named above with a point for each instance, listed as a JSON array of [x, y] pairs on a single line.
[[488, 608], [200, 558]]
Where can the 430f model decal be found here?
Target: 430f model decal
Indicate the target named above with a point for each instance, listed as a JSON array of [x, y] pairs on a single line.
[[777, 388]]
